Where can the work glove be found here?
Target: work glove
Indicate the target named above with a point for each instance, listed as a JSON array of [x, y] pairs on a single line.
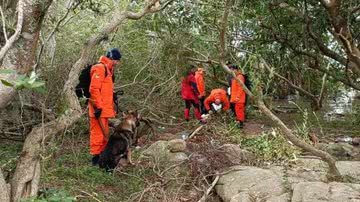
[[97, 113]]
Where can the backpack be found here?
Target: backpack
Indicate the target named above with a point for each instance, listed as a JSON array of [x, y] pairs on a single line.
[[248, 82], [82, 89]]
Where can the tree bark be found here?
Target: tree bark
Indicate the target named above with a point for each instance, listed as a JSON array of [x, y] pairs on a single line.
[[4, 187], [21, 56]]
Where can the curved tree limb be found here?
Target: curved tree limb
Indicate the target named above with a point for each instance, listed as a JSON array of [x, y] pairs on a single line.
[[16, 35]]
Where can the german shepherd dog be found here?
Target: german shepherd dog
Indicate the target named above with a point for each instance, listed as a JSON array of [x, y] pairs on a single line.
[[120, 142]]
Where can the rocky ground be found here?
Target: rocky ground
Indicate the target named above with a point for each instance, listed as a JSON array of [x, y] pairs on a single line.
[[218, 163]]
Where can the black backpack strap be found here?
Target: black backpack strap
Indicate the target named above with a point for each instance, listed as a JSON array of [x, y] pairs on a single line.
[[106, 72]]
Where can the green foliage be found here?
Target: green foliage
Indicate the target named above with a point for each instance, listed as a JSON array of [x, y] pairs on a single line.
[[9, 154], [23, 82], [271, 146], [51, 195]]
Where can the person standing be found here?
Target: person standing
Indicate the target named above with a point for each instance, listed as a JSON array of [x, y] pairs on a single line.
[[238, 96], [200, 83], [101, 105], [190, 94]]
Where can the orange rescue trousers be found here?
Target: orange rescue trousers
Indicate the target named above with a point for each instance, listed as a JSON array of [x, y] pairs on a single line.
[[240, 111], [97, 139]]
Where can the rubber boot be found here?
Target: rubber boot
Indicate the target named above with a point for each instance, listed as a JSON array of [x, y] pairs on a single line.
[[95, 160], [197, 113], [240, 124], [186, 114]]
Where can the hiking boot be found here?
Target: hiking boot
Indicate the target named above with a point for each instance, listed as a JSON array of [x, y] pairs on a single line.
[[240, 124], [95, 160]]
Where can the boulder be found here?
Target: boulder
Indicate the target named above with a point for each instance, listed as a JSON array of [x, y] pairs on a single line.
[[342, 151], [159, 152], [250, 197], [177, 145], [177, 157], [307, 170], [320, 191], [310, 170], [157, 149], [236, 155], [165, 136], [246, 182]]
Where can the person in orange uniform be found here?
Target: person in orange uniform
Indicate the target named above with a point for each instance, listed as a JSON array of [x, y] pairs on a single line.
[[217, 96], [101, 105], [238, 96], [190, 94], [200, 83]]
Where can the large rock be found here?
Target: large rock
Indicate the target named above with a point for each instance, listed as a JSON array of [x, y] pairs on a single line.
[[246, 182], [320, 191], [159, 152], [311, 170], [307, 170], [236, 155], [342, 151], [177, 145]]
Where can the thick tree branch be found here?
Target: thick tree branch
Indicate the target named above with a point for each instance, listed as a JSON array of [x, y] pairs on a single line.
[[70, 7], [16, 35], [4, 24], [342, 32], [301, 90]]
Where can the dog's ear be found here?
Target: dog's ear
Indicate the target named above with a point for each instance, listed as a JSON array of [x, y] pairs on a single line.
[[124, 114]]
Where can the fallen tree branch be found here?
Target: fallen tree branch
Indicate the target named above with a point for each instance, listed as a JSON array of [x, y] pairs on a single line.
[[195, 132], [203, 198]]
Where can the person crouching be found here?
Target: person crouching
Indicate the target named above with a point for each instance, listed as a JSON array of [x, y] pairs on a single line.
[[217, 98]]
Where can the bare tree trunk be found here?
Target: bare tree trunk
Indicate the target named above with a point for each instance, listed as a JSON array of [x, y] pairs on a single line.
[[333, 173], [21, 56], [25, 181], [4, 187]]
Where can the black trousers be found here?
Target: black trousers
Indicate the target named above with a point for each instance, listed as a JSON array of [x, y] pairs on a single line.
[[202, 106]]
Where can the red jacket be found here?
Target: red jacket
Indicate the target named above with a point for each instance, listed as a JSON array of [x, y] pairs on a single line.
[[199, 77], [217, 94], [101, 88], [189, 89], [237, 92]]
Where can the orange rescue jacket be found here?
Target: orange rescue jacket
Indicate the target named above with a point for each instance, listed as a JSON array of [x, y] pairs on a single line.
[[217, 94], [101, 88], [199, 77], [237, 92]]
